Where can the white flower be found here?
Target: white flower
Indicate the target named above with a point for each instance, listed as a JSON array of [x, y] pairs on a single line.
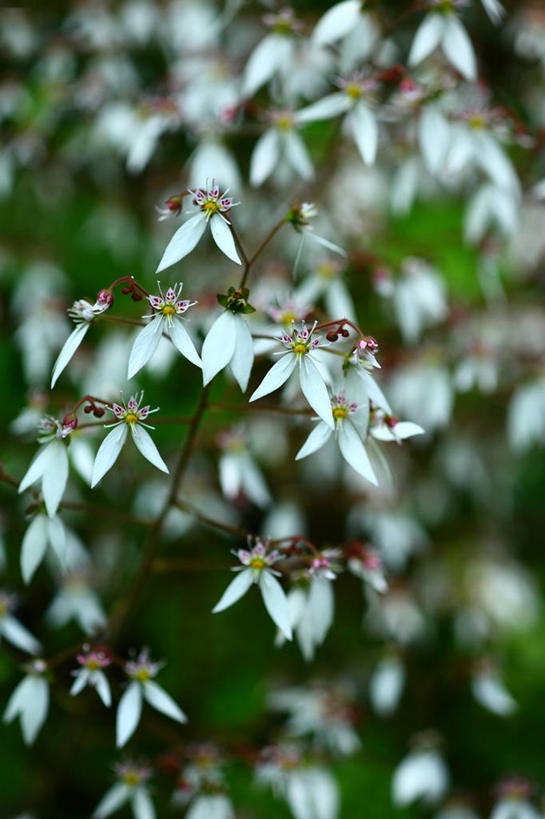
[[299, 216], [30, 702], [386, 685], [326, 282], [42, 532], [353, 100], [83, 314], [442, 27], [130, 788], [337, 22], [228, 341], [12, 630], [91, 674], [365, 563], [50, 466], [312, 608], [76, 600], [494, 9], [142, 687], [168, 310], [526, 415], [351, 421], [211, 806], [280, 143], [212, 206], [312, 793], [132, 417], [513, 801], [256, 568], [419, 299], [300, 346], [386, 427], [238, 471], [489, 690], [272, 55], [421, 775]]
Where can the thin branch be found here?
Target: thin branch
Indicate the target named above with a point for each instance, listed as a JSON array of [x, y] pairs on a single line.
[[185, 506]]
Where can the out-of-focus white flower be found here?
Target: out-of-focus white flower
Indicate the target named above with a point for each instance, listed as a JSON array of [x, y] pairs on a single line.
[[256, 568], [489, 690], [351, 421], [422, 775], [479, 369], [309, 789], [386, 685], [142, 687], [12, 630], [30, 701], [397, 616], [299, 217], [168, 310], [229, 341], [42, 532], [326, 283], [273, 54], [212, 806], [419, 299], [130, 417], [132, 788], [300, 345], [441, 27], [494, 9], [238, 471], [280, 143], [201, 784], [490, 207], [50, 465], [456, 810], [212, 206], [513, 802], [434, 135], [397, 534], [423, 391], [366, 564], [212, 157], [90, 673], [526, 415], [337, 22], [83, 313], [76, 600], [385, 427]]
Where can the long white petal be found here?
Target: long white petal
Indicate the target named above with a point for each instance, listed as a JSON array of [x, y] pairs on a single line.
[[330, 106], [337, 22], [315, 391], [35, 707], [276, 602], [55, 476], [37, 467], [253, 482], [68, 349], [184, 240], [219, 345], [128, 713], [112, 800], [354, 453], [243, 355], [458, 49], [56, 535], [144, 346], [236, 589], [142, 806], [325, 243], [272, 53], [146, 445], [427, 38], [163, 702], [183, 343], [80, 681], [103, 688], [433, 137], [33, 547], [321, 604], [16, 701], [221, 233], [315, 441], [277, 375], [264, 157], [297, 155], [16, 634], [495, 10], [108, 452], [365, 132]]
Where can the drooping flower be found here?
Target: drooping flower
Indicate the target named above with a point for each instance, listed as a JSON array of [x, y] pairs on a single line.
[[12, 630], [386, 427], [50, 466], [168, 310], [238, 471], [229, 340], [42, 532], [273, 54], [141, 673], [256, 568], [441, 26], [299, 216], [386, 685], [132, 788], [280, 142], [212, 206], [90, 673], [76, 600], [83, 313], [513, 800], [421, 775], [30, 701], [300, 344], [132, 416]]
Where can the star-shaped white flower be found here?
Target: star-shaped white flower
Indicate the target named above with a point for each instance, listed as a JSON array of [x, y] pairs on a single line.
[[167, 316], [300, 345], [30, 702], [130, 787], [91, 674], [212, 206], [50, 466], [130, 417], [83, 313], [442, 27]]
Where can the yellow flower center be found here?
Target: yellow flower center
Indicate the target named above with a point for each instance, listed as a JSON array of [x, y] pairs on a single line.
[[131, 418], [3, 609], [476, 121], [258, 563], [210, 206], [131, 778], [284, 122], [339, 412], [169, 310], [142, 675], [287, 318], [299, 348], [92, 665], [353, 90]]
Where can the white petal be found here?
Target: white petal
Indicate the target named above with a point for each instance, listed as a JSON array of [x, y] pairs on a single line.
[[320, 607], [36, 706], [315, 391], [275, 601], [458, 49], [236, 589], [354, 453], [337, 22], [146, 446], [433, 137], [317, 438], [330, 106], [386, 685], [80, 681], [144, 346], [219, 345], [243, 355], [427, 38], [16, 634], [108, 452], [142, 806], [37, 467], [103, 687], [16, 701], [33, 547], [55, 476], [253, 482], [365, 132], [272, 53], [277, 375], [221, 233], [325, 243], [56, 535], [184, 240], [69, 348], [495, 10], [183, 343], [128, 713], [297, 155], [264, 157], [489, 691], [112, 800], [406, 429], [163, 702], [230, 474]]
